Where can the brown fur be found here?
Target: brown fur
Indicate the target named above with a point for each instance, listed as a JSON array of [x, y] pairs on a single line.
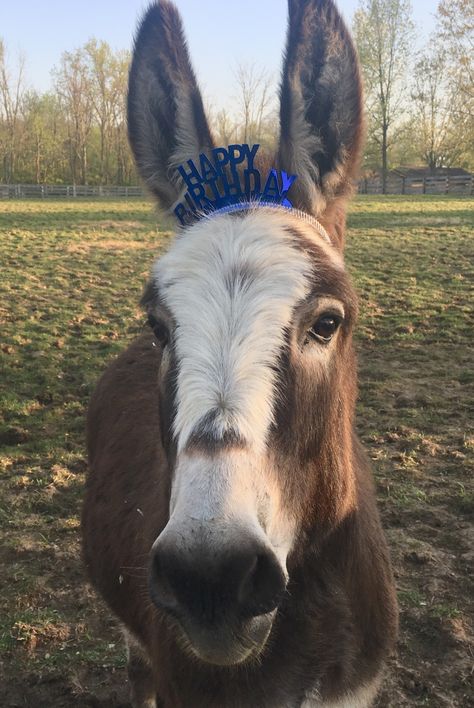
[[338, 620]]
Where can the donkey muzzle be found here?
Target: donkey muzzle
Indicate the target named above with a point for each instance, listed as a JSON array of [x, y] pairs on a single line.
[[222, 588]]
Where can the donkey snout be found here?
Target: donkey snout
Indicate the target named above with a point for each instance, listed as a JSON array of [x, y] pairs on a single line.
[[206, 585]]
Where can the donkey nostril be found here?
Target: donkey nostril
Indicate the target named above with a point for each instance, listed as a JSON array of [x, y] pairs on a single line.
[[161, 589], [263, 585], [246, 583], [246, 586]]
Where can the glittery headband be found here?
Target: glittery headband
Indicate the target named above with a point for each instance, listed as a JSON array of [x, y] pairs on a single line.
[[228, 181]]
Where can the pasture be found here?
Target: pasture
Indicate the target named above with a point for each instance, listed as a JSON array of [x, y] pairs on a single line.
[[72, 274]]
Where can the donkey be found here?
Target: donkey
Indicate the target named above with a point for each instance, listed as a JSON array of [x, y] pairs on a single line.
[[230, 519]]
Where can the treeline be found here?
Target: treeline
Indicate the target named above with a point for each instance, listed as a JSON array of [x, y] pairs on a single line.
[[420, 106], [74, 134]]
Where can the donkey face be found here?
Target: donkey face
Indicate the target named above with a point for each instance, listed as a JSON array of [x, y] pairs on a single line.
[[254, 312]]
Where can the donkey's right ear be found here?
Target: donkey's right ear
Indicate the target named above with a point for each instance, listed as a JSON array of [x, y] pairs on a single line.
[[167, 124]]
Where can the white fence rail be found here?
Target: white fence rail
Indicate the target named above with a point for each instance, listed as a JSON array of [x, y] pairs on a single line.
[[395, 185]]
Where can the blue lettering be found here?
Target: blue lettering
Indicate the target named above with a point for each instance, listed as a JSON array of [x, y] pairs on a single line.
[[232, 189], [198, 195], [190, 202], [250, 155], [192, 177], [221, 158], [252, 192], [271, 192], [208, 170], [287, 181], [228, 176], [181, 213], [236, 155], [215, 191]]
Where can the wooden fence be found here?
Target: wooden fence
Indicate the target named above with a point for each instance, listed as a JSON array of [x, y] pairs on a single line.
[[66, 191], [463, 184], [395, 185]]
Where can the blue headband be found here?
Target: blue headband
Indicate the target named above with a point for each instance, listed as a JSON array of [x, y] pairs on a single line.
[[229, 182], [227, 178]]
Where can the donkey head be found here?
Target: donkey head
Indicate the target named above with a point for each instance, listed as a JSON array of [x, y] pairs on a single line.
[[254, 313]]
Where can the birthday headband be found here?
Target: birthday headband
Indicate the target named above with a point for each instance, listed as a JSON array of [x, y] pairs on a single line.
[[228, 181]]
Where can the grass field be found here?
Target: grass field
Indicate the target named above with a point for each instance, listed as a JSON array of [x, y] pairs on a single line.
[[71, 277]]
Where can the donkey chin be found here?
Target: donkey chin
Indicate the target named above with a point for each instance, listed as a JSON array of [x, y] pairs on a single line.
[[227, 641]]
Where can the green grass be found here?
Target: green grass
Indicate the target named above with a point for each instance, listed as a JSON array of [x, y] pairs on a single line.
[[413, 264], [72, 275]]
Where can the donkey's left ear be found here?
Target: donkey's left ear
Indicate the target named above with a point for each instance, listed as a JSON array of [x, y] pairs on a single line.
[[167, 124], [321, 106]]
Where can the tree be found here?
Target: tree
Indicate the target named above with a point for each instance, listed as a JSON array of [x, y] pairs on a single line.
[[43, 159], [99, 58], [73, 85], [255, 118], [383, 33], [224, 127], [92, 84], [125, 166], [432, 106], [108, 74], [11, 98], [456, 28], [456, 34]]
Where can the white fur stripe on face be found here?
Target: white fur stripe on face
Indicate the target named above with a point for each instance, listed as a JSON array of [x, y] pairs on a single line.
[[231, 285]]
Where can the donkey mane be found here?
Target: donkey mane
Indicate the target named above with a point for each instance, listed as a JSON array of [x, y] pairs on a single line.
[[230, 519]]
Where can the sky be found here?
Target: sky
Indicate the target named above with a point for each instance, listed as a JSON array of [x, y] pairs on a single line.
[[254, 34]]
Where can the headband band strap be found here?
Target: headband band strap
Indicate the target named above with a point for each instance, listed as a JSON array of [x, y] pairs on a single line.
[[248, 206]]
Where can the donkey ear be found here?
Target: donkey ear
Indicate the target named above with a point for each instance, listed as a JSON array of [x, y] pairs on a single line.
[[167, 124], [321, 105]]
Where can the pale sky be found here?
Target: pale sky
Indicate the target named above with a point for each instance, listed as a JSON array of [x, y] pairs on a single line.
[[236, 31]]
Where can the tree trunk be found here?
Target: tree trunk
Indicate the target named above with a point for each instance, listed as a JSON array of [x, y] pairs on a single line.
[[103, 179], [384, 158], [38, 160], [84, 164]]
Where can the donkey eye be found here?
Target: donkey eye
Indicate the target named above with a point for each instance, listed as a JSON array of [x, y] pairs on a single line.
[[325, 328], [160, 330]]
